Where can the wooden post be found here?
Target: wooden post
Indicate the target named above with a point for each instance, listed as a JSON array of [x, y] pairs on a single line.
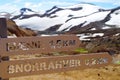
[[3, 34], [3, 28]]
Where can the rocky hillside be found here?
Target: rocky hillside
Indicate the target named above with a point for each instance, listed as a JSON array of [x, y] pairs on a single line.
[[13, 29]]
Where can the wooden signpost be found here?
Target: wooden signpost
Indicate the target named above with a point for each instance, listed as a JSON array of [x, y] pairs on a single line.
[[32, 45], [53, 64], [42, 65], [3, 28]]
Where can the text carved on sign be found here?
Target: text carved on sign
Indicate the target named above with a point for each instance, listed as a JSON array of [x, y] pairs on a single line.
[[13, 46], [19, 68], [53, 64], [41, 44], [95, 61]]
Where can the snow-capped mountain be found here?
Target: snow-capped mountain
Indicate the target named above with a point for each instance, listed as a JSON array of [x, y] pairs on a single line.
[[54, 16], [80, 17]]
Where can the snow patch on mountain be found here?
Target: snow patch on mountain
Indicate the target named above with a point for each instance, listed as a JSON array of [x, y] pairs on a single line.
[[115, 18], [60, 16], [74, 22], [37, 23]]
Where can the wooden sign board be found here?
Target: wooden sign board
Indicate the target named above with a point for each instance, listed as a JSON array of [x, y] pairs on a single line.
[[53, 64], [32, 45]]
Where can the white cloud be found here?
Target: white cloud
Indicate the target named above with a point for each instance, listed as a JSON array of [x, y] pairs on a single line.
[[32, 5], [17, 1], [117, 3], [59, 3], [101, 1], [49, 4], [112, 2], [8, 8]]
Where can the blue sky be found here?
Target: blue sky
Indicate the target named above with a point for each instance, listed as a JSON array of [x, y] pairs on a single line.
[[42, 5]]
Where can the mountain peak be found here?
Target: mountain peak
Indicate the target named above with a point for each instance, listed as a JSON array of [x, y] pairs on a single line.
[[25, 10]]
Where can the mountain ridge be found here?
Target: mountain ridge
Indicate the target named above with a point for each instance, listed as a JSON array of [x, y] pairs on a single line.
[[81, 17]]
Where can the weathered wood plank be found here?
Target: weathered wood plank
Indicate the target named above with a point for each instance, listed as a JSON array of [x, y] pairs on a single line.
[[33, 45], [53, 64]]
